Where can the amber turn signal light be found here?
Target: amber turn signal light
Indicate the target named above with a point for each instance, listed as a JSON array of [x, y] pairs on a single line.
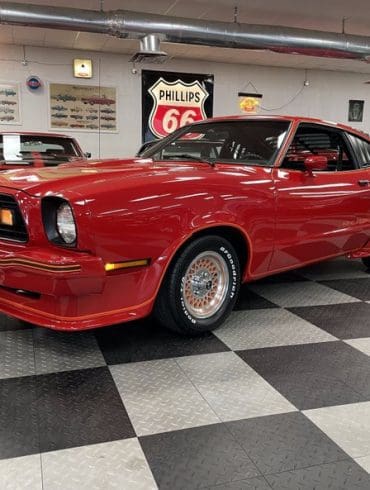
[[6, 217], [114, 266]]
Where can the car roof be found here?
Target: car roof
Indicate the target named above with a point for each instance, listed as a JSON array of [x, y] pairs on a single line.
[[296, 119]]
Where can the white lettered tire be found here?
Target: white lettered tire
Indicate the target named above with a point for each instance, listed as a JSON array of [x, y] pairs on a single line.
[[200, 287]]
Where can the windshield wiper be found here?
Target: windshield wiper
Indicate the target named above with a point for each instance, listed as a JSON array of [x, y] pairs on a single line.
[[187, 156]]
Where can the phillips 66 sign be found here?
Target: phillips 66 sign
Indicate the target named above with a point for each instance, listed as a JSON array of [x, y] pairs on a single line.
[[171, 100]]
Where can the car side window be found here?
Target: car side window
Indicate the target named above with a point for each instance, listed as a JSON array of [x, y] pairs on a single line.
[[310, 140], [362, 149]]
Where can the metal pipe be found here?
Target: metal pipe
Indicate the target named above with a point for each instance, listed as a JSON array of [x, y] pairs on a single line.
[[121, 23]]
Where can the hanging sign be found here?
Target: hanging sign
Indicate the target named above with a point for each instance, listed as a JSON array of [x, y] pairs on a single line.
[[171, 100], [249, 103]]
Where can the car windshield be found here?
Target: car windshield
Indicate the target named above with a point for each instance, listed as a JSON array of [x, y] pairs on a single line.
[[17, 149], [250, 142]]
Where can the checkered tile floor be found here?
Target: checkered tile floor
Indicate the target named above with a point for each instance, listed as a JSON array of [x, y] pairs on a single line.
[[279, 397]]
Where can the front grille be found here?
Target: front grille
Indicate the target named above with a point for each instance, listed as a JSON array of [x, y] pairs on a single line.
[[17, 232]]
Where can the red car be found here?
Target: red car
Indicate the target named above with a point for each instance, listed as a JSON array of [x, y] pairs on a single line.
[[175, 232], [19, 150]]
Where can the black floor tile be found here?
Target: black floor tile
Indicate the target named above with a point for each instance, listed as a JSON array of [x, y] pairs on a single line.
[[359, 380], [322, 357], [258, 483], [146, 341], [343, 475], [314, 375], [19, 433], [358, 288], [249, 300], [10, 323], [284, 442], [345, 321], [196, 458], [310, 390], [77, 408]]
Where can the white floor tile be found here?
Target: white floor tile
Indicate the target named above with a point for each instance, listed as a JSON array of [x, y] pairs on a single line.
[[17, 354], [347, 425], [21, 473], [232, 388], [252, 329], [112, 465], [59, 351], [303, 293], [160, 398]]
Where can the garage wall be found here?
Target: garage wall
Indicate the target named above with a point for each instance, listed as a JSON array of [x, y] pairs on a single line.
[[326, 97]]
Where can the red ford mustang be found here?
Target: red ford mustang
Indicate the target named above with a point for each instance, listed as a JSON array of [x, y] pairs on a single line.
[[176, 232]]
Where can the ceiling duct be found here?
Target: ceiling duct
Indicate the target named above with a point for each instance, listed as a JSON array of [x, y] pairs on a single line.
[[136, 25], [150, 51]]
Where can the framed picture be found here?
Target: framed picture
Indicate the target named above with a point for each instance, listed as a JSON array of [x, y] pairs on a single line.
[[10, 112], [82, 107], [356, 110]]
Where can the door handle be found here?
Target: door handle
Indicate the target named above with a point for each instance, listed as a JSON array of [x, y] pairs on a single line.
[[363, 182]]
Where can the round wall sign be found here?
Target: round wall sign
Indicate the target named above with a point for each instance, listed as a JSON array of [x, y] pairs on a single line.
[[33, 82]]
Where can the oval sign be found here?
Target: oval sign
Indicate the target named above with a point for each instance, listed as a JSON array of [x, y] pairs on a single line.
[[33, 82]]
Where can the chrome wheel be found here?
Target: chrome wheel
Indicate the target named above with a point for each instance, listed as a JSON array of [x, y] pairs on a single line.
[[205, 284]]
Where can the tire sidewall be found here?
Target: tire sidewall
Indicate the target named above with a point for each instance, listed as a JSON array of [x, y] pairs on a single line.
[[227, 252]]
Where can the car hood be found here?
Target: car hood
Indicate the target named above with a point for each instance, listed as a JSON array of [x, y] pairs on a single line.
[[80, 177]]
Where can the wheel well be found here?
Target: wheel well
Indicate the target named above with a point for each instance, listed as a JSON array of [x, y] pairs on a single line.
[[233, 235]]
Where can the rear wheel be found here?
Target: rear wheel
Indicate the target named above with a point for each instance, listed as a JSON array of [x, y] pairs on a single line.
[[366, 262], [200, 288]]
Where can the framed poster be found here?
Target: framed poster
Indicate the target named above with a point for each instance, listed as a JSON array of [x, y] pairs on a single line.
[[356, 110], [170, 100], [10, 112], [83, 107]]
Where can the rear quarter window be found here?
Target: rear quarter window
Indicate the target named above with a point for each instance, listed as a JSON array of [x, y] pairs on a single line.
[[361, 148]]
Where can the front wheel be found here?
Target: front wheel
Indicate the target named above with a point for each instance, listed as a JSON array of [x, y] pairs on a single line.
[[200, 288]]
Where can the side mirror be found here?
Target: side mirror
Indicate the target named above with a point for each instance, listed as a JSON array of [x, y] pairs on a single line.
[[87, 154], [315, 162]]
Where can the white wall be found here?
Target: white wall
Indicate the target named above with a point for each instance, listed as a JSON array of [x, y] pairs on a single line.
[[326, 97]]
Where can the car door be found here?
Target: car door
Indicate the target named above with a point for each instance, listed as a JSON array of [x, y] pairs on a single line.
[[323, 213]]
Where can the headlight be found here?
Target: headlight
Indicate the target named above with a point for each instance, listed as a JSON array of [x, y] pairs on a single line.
[[66, 225]]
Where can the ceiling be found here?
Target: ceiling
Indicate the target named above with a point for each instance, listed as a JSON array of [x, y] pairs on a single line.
[[314, 14]]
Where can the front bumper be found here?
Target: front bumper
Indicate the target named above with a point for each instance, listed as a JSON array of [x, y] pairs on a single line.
[[41, 272], [70, 291]]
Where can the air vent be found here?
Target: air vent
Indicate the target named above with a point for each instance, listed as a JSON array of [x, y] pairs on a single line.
[[150, 51]]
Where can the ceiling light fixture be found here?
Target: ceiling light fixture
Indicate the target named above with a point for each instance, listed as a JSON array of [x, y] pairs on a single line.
[[82, 68]]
